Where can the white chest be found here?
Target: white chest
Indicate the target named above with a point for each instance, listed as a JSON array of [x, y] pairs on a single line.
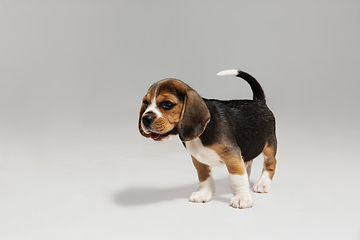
[[203, 154]]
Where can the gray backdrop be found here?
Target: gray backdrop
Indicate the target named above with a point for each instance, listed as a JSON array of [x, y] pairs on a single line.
[[73, 74], [67, 63]]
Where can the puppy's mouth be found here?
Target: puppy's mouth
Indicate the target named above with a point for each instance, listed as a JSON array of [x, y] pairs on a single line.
[[158, 137]]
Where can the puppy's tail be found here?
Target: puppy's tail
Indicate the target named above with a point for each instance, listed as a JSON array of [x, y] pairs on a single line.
[[258, 92]]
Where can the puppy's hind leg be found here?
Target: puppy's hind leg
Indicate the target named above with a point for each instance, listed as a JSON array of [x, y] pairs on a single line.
[[206, 183], [264, 183]]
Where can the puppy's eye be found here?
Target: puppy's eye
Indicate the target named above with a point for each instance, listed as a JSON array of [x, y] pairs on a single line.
[[167, 105], [146, 103]]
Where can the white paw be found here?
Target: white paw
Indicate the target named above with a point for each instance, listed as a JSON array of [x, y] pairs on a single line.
[[201, 196], [239, 201], [263, 186]]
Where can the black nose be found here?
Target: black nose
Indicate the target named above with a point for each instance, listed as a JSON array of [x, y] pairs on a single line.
[[147, 120]]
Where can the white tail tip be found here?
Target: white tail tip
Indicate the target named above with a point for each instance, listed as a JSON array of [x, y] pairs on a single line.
[[230, 72]]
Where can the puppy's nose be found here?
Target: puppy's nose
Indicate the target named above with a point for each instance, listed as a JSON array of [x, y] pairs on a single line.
[[147, 120]]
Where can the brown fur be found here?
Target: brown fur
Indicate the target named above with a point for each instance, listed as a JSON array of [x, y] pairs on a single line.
[[142, 110], [195, 117], [189, 115], [270, 160], [231, 157], [203, 170]]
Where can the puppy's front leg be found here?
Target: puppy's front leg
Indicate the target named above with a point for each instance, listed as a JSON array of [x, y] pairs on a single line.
[[239, 181], [206, 189], [242, 196]]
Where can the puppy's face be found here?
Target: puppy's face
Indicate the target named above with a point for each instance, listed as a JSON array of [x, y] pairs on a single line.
[[161, 111], [170, 108]]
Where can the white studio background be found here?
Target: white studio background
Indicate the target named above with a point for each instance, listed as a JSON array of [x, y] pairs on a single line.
[[72, 78]]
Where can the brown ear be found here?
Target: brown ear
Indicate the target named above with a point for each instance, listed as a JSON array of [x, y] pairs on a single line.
[[195, 117], [142, 110]]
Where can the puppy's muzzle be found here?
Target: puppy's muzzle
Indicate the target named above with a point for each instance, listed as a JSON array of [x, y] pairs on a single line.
[[147, 120]]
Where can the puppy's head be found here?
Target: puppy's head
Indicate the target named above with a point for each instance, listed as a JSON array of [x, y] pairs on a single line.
[[171, 107]]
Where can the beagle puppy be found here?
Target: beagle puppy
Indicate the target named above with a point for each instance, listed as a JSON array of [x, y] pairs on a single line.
[[215, 133]]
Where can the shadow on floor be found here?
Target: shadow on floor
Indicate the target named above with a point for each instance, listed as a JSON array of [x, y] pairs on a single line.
[[135, 196]]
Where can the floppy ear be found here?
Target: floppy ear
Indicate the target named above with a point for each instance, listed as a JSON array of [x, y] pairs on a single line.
[[142, 110], [194, 118]]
